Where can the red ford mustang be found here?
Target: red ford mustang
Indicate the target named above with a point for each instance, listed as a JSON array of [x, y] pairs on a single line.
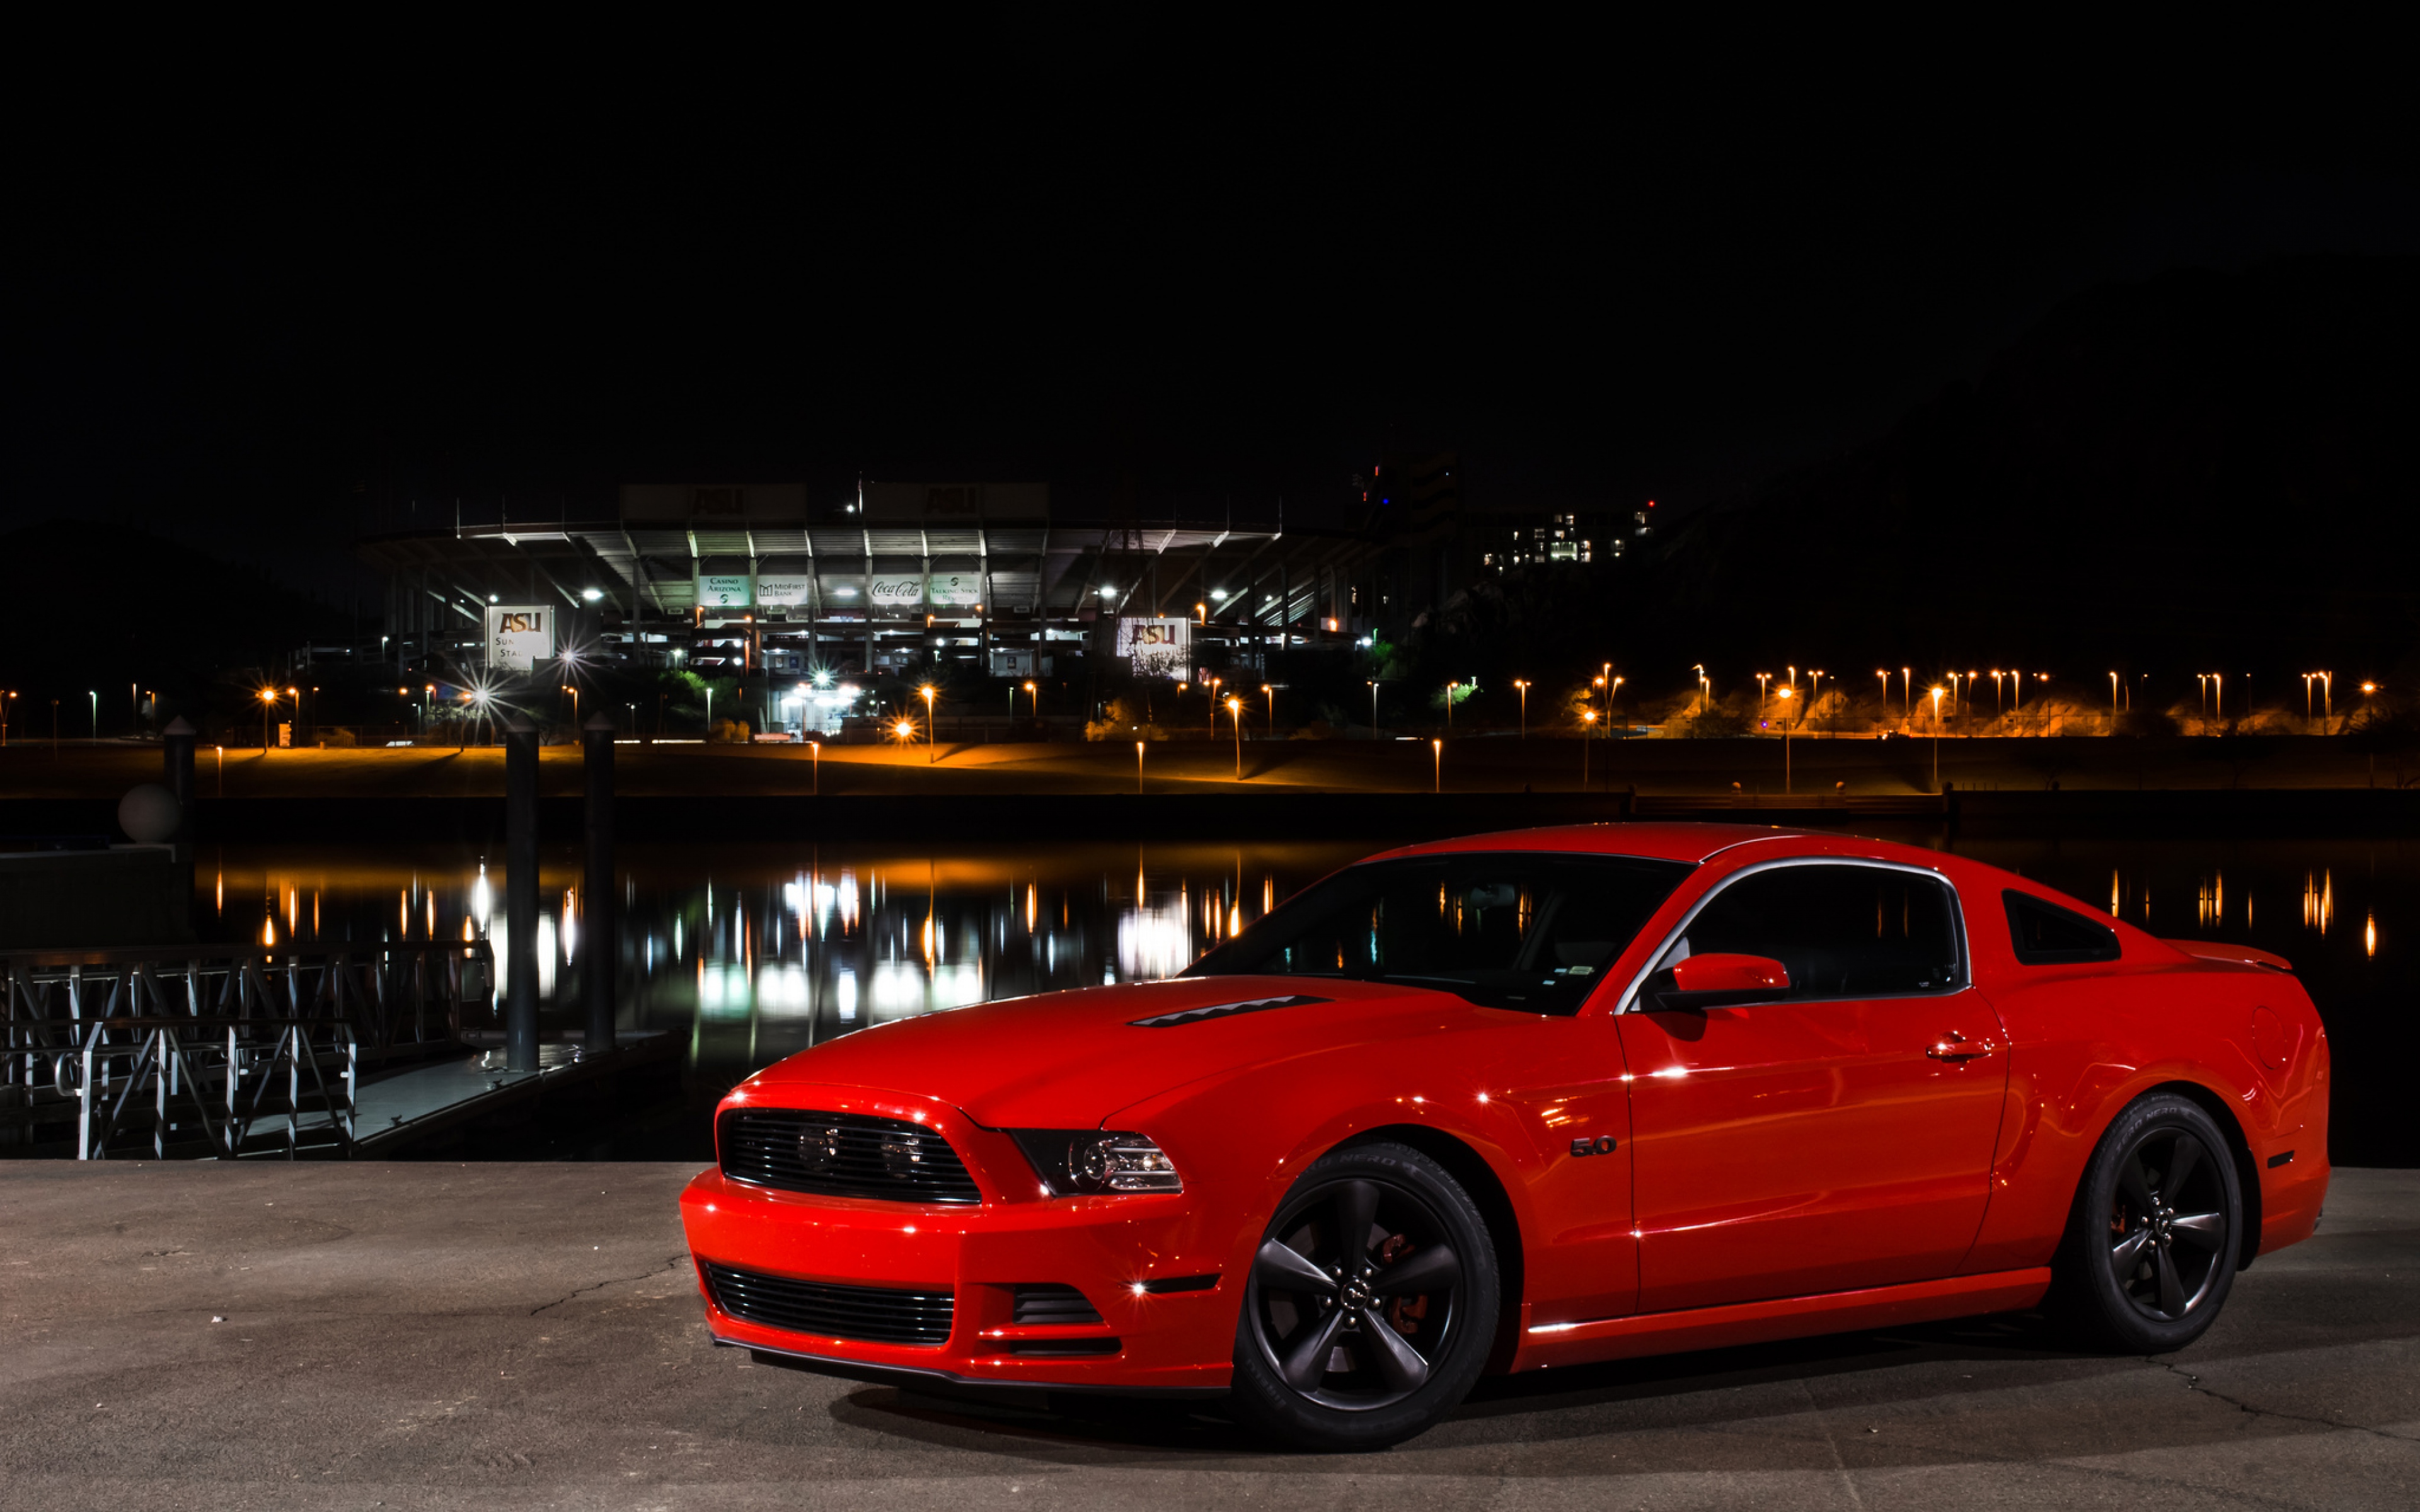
[[1530, 1099]]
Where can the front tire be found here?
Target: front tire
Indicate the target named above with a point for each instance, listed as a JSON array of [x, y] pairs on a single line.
[[1370, 1305], [2150, 1250]]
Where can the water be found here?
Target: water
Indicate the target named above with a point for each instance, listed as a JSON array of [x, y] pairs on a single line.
[[750, 953]]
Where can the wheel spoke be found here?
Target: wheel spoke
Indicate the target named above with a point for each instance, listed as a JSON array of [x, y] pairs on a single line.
[[2132, 1181], [2183, 1158], [1356, 1208], [2123, 1254], [1283, 1266], [1395, 1360], [2172, 1289], [1307, 1360], [1434, 1269], [2203, 1230]]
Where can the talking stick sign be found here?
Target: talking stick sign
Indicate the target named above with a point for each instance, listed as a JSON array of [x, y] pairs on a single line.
[[519, 636]]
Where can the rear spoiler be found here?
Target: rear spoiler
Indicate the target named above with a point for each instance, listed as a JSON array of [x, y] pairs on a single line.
[[2239, 955]]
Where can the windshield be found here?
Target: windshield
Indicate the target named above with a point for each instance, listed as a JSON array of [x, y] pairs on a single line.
[[1521, 930]]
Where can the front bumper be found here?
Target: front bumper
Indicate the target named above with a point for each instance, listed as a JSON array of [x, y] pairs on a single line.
[[1115, 1250]]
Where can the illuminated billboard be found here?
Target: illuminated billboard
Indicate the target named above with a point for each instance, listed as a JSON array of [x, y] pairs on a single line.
[[1160, 648], [519, 636]]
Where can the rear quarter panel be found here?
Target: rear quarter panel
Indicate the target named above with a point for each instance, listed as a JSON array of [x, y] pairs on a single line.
[[2083, 1041]]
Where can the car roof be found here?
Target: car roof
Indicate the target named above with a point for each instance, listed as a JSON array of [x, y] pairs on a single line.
[[1693, 843]]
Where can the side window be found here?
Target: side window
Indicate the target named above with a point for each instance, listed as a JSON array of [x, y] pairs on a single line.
[[1843, 931], [2045, 935]]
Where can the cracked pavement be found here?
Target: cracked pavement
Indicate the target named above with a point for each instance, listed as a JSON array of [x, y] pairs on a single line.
[[491, 1336]]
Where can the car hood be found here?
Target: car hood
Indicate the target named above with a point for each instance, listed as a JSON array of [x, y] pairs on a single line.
[[1068, 1060]]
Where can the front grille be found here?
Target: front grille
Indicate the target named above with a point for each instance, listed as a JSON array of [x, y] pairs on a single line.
[[843, 1155], [1052, 1305], [877, 1315]]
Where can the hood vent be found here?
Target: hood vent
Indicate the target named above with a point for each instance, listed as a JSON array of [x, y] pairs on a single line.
[[1220, 1010]]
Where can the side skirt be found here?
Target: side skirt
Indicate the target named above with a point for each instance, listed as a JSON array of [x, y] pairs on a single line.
[[1781, 1318]]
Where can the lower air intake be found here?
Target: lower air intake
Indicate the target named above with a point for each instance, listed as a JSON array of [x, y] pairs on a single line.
[[877, 1315]]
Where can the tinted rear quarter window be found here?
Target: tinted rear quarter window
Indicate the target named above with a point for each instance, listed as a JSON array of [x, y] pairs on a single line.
[[2045, 935]]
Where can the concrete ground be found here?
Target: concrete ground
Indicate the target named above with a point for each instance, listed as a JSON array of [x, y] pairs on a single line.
[[408, 1335]]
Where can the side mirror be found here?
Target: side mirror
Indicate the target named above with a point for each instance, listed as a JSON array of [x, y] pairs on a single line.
[[1704, 982]]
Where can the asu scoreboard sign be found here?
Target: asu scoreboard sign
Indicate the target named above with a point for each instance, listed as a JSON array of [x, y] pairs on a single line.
[[519, 636]]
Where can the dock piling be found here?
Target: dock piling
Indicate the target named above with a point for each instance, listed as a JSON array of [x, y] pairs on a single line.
[[598, 902], [521, 894]]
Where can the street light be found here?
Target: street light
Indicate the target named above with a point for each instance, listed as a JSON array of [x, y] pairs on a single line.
[[1438, 746], [1762, 681], [96, 714], [1374, 711], [1525, 706], [1137, 768], [268, 702], [1235, 718], [1907, 689], [1786, 695], [1936, 739], [1269, 692], [1449, 706], [932, 728], [1588, 721]]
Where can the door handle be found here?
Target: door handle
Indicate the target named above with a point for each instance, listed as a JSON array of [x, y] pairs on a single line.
[[1955, 1047]]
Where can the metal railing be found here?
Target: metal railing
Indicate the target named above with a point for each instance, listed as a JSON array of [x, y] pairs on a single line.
[[216, 1050]]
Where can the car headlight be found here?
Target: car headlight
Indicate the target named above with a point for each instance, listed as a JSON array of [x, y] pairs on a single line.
[[1073, 1161]]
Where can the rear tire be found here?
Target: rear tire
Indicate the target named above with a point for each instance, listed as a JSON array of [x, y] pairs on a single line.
[[2150, 1250], [1370, 1305]]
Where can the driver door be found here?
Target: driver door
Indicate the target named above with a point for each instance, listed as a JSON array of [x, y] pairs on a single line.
[[1835, 1138]]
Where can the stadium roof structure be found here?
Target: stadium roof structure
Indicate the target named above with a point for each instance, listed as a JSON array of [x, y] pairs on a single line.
[[649, 560]]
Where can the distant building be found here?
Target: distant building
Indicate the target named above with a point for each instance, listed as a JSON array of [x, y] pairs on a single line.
[[755, 581]]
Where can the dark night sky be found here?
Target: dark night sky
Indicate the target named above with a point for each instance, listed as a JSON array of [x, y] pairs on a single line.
[[1604, 268]]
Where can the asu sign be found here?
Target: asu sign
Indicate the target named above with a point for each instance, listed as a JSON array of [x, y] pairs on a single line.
[[519, 636], [1160, 648]]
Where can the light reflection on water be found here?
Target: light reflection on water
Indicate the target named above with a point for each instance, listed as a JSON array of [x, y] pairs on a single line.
[[754, 951]]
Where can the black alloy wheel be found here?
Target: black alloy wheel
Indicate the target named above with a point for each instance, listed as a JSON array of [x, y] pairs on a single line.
[[2153, 1248], [1370, 1305]]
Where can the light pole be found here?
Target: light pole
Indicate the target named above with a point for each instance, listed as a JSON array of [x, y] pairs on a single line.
[[1762, 681], [1449, 707], [1936, 740], [1814, 695], [1437, 748], [1032, 702], [1787, 694], [1588, 720], [1235, 718], [1374, 711], [96, 714], [1269, 692], [1907, 689], [932, 730], [1525, 706], [1137, 768], [1885, 677], [268, 702], [2328, 698]]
